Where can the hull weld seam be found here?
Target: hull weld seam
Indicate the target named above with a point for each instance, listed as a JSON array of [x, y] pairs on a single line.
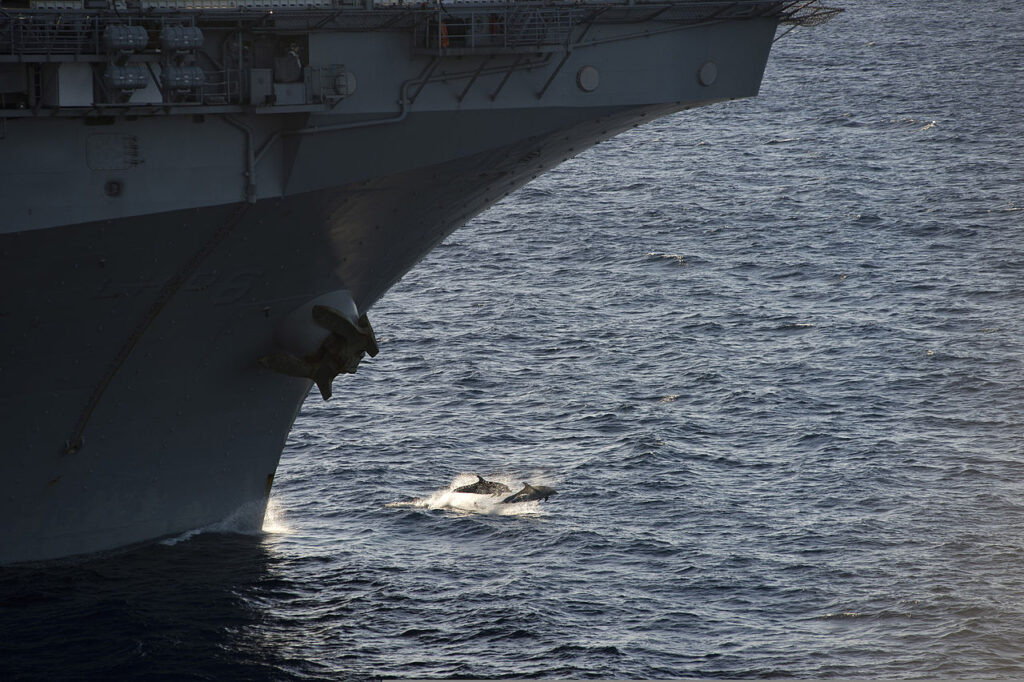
[[77, 440]]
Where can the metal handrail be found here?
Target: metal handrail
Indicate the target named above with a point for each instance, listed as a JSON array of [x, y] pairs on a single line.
[[40, 34], [71, 32], [501, 27], [469, 23]]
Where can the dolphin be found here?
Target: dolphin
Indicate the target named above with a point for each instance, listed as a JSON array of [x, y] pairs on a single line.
[[484, 487], [530, 493]]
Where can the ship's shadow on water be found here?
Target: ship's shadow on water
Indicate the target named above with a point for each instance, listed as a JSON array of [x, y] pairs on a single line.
[[180, 611]]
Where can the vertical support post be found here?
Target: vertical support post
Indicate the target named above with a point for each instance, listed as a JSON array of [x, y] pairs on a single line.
[[554, 73], [494, 95], [472, 80]]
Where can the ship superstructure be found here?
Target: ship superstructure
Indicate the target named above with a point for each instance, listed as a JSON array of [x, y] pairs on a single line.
[[203, 198]]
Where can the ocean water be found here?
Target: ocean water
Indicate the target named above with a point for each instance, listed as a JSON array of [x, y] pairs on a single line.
[[770, 354]]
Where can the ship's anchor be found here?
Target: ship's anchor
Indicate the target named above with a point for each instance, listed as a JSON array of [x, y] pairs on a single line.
[[339, 353]]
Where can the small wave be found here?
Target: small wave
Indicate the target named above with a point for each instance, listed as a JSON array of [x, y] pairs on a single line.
[[576, 649], [795, 326], [671, 258], [1010, 208], [187, 535], [783, 140], [249, 519], [867, 218]]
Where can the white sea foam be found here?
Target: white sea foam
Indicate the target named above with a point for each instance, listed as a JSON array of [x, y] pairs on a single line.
[[675, 258], [187, 535], [246, 520]]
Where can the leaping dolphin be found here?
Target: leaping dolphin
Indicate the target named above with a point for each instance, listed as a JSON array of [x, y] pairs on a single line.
[[484, 487], [529, 494]]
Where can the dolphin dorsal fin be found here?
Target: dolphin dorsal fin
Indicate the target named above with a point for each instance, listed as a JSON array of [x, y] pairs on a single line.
[[480, 479], [528, 486]]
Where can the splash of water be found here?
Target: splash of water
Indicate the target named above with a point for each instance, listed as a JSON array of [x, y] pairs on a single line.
[[249, 519], [274, 519]]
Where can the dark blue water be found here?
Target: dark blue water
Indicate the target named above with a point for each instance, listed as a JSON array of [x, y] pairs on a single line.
[[770, 353]]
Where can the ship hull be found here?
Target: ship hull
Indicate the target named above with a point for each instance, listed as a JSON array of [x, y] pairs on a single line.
[[134, 403]]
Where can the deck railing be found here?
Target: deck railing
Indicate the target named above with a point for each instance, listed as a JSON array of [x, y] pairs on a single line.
[[453, 25], [503, 28]]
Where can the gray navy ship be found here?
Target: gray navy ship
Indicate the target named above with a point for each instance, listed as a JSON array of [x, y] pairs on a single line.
[[202, 200]]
